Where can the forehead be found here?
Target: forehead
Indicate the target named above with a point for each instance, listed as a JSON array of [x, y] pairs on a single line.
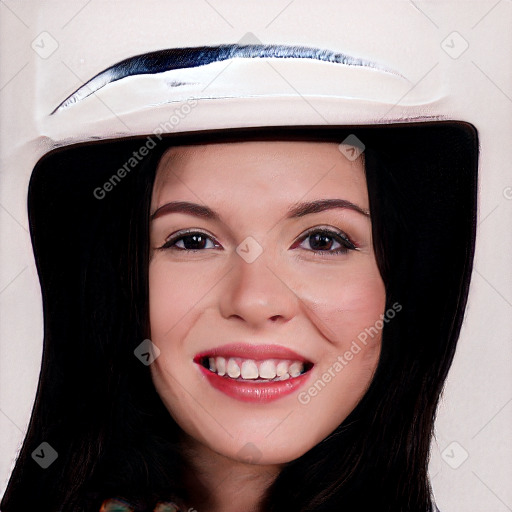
[[293, 169]]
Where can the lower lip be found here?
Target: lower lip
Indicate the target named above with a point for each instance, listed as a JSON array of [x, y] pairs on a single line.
[[263, 392]]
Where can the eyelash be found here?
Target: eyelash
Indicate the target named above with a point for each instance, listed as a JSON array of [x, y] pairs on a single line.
[[339, 236]]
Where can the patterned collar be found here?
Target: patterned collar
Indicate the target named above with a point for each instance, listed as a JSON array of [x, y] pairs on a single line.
[[119, 505]]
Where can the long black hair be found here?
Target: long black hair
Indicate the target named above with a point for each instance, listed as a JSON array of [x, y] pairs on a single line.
[[96, 405]]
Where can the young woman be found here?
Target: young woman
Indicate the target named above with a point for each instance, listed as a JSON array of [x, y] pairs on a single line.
[[254, 320]]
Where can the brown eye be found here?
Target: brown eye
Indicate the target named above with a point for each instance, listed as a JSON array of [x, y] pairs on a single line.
[[327, 242], [190, 241]]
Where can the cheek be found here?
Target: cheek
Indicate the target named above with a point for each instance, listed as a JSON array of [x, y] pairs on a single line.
[[363, 303], [172, 295], [347, 304], [348, 312]]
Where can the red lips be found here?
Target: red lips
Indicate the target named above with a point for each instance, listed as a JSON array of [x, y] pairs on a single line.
[[256, 352], [257, 391]]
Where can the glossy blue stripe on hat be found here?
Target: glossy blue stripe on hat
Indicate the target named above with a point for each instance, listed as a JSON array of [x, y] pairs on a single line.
[[181, 58]]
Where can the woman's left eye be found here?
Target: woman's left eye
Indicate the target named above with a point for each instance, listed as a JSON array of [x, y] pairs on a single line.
[[322, 241]]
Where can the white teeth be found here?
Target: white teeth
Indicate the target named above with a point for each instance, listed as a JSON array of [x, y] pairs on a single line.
[[268, 370], [249, 370], [233, 369], [281, 369], [296, 369], [221, 366]]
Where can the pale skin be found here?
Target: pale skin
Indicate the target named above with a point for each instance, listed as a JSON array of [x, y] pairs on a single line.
[[314, 304]]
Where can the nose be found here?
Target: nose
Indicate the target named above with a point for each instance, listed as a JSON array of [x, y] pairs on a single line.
[[258, 293]]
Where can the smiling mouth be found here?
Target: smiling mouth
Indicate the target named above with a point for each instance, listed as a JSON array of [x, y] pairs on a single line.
[[255, 371]]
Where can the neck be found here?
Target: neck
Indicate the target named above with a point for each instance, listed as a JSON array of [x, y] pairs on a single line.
[[219, 484]]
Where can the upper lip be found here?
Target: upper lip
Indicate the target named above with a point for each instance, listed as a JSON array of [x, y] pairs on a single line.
[[251, 351]]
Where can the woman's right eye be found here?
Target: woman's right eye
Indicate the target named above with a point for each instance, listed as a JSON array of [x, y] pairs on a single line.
[[189, 241]]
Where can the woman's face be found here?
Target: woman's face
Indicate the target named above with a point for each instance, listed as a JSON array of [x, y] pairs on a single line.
[[264, 294]]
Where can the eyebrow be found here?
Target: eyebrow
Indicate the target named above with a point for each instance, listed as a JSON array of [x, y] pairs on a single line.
[[305, 208], [296, 210]]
